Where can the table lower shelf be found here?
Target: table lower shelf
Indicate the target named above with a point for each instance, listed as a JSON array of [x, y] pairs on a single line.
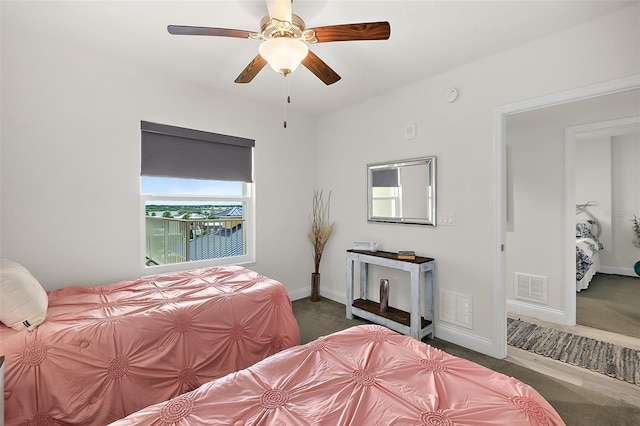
[[393, 314]]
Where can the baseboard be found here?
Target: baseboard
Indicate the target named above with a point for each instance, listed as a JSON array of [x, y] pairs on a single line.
[[465, 339], [300, 293], [336, 296], [330, 294], [618, 270], [543, 313]]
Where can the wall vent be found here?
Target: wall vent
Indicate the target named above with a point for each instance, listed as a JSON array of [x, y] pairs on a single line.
[[456, 308], [531, 287]]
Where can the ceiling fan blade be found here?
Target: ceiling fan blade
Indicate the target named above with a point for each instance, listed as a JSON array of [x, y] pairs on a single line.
[[279, 9], [348, 32], [317, 66], [207, 31], [251, 70]]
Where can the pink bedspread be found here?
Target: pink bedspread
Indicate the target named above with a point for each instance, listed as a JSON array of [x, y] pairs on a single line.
[[105, 352], [365, 375]]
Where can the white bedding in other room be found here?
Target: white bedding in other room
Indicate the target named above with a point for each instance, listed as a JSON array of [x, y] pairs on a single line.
[[590, 248]]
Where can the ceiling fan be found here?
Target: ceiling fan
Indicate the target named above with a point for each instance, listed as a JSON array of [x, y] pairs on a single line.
[[285, 37]]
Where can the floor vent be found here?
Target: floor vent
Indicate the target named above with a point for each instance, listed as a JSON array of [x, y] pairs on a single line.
[[531, 287]]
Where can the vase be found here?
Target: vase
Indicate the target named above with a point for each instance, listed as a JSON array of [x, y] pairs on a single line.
[[637, 267], [315, 286], [384, 295]]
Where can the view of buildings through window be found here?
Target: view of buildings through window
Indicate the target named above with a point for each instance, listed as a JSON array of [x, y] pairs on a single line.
[[190, 220]]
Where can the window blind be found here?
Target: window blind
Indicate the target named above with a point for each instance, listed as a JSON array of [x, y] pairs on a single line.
[[384, 178], [170, 151]]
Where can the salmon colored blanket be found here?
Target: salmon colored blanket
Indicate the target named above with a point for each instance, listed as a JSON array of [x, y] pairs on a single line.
[[365, 375], [105, 352]]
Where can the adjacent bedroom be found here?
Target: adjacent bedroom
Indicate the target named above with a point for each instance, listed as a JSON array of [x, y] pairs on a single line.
[[601, 167], [572, 253], [607, 254]]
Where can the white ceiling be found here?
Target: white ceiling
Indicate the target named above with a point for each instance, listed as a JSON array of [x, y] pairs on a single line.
[[427, 38]]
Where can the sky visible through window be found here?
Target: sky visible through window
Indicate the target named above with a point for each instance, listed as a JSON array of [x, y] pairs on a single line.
[[186, 187]]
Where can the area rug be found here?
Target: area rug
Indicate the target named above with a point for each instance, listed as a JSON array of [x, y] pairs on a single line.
[[602, 357]]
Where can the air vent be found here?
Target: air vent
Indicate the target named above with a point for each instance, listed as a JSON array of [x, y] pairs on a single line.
[[456, 308], [531, 287]]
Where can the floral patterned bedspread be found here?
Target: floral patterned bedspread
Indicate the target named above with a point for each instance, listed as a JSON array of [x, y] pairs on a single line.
[[585, 249]]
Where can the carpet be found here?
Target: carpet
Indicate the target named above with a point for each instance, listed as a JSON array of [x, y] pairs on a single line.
[[602, 357], [611, 304]]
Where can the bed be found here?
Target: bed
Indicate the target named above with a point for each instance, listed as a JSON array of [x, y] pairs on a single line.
[[364, 375], [105, 352], [588, 246]]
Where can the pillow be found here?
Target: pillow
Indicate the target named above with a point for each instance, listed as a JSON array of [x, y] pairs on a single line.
[[23, 301]]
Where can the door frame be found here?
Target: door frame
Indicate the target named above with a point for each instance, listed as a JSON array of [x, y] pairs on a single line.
[[500, 115]]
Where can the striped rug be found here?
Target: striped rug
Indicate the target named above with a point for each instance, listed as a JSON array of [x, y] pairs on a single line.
[[602, 357]]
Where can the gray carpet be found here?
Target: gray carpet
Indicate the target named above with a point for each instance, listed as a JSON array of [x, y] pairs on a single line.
[[575, 405], [610, 303], [601, 357]]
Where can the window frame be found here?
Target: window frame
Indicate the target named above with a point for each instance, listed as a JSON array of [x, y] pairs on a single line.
[[249, 228], [395, 198]]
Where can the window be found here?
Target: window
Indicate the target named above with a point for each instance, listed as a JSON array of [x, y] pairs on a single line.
[[386, 201], [197, 198], [386, 195]]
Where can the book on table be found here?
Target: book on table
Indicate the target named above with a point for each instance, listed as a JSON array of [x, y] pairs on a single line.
[[406, 254]]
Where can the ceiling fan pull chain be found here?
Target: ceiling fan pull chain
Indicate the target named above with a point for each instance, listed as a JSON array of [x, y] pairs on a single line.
[[287, 100]]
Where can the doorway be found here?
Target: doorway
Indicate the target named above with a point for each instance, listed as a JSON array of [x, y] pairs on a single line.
[[604, 173], [564, 311]]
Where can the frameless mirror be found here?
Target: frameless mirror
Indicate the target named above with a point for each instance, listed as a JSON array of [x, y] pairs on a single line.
[[402, 191]]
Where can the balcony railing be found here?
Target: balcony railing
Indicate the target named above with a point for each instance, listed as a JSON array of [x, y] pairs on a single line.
[[171, 240]]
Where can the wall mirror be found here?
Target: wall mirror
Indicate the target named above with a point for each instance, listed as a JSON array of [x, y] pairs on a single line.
[[402, 191]]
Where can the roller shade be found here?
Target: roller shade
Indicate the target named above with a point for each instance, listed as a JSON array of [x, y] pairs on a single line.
[[170, 151], [384, 178]]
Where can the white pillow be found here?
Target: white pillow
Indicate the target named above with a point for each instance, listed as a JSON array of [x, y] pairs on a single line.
[[23, 301]]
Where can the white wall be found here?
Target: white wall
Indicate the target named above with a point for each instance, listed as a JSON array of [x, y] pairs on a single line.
[[626, 201], [593, 173], [71, 164], [536, 175], [460, 134]]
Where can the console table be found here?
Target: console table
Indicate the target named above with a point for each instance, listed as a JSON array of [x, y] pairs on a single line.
[[410, 323]]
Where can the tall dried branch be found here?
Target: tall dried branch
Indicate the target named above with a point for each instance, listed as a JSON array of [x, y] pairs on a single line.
[[321, 228]]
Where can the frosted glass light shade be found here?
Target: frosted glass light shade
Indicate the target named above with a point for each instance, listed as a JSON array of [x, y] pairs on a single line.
[[284, 54]]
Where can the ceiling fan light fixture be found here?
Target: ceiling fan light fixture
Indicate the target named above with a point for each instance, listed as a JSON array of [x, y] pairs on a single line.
[[283, 54]]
